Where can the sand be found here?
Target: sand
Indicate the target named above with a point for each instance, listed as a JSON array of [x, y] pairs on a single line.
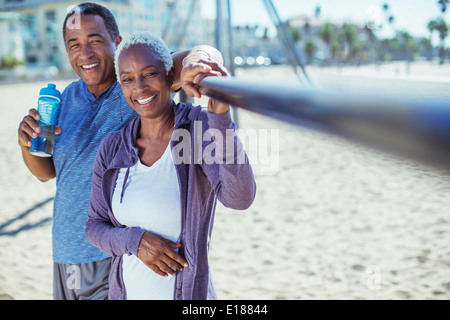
[[331, 219]]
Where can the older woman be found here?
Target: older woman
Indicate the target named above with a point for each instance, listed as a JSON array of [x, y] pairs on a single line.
[[153, 193]]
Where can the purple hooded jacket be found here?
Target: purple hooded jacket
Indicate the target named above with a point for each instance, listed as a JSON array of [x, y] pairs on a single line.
[[201, 183]]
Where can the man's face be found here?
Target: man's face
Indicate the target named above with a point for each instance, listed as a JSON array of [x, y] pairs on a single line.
[[91, 52]]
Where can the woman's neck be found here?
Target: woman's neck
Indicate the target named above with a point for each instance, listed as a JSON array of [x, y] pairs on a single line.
[[155, 128]]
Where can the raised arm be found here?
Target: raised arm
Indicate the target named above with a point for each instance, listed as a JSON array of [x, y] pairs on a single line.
[[227, 167]]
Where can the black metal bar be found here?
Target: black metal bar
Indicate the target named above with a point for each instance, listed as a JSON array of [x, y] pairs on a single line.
[[418, 130]]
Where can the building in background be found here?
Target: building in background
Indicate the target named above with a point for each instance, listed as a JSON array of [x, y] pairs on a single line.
[[32, 29], [11, 36]]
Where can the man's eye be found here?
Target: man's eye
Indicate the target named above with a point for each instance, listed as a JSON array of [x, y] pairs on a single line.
[[126, 80], [151, 74]]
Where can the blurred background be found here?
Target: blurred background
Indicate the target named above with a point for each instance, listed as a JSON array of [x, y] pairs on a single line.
[[335, 220], [326, 33]]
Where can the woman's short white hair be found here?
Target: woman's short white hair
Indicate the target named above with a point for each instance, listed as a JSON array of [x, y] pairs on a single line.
[[149, 40]]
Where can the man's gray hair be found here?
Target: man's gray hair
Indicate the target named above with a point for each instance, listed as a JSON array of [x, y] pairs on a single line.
[[149, 40]]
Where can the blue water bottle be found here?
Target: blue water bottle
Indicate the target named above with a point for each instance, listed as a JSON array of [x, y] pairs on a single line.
[[48, 105]]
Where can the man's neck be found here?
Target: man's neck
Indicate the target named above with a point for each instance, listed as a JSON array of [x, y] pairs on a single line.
[[99, 89]]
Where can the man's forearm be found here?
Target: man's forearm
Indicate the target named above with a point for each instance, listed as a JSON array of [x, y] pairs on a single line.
[[41, 168]]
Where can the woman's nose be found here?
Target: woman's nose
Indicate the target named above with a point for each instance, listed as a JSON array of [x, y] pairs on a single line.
[[140, 84]]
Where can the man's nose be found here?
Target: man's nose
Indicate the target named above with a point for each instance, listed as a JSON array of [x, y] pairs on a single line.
[[86, 51]]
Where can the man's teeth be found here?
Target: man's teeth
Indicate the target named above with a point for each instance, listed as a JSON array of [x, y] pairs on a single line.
[[90, 66], [144, 101]]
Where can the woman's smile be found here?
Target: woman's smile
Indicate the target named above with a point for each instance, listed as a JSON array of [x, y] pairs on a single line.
[[145, 101]]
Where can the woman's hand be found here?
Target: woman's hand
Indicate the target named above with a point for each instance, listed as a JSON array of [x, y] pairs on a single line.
[[159, 255], [218, 107]]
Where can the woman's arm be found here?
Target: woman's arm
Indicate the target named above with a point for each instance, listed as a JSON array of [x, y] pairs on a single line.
[[225, 162]]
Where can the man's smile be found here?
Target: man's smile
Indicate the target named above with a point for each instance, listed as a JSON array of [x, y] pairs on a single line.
[[89, 67]]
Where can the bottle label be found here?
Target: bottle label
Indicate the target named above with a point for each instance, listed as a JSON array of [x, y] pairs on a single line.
[[48, 109]]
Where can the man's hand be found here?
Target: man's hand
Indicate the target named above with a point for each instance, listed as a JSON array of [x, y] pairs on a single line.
[[42, 168], [159, 255], [200, 64], [29, 128]]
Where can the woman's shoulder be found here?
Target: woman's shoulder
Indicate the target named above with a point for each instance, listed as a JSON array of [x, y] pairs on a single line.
[[190, 111], [114, 139]]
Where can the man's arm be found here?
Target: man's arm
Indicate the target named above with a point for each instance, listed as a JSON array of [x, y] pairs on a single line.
[[42, 168], [193, 65]]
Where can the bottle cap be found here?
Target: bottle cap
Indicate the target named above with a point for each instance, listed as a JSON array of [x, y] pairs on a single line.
[[50, 91]]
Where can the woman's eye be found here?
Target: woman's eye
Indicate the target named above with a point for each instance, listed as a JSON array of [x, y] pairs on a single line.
[[150, 74]]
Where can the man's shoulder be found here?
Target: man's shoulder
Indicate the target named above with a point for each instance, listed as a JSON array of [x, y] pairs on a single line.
[[74, 85], [116, 140], [121, 134], [72, 91]]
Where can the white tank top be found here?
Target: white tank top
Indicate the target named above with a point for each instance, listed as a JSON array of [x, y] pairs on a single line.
[[152, 202]]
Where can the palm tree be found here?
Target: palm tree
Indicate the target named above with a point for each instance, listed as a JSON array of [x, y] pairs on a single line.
[[441, 27], [295, 34], [310, 48], [317, 11], [327, 35], [372, 43], [389, 17], [426, 47], [408, 45], [443, 4], [350, 34]]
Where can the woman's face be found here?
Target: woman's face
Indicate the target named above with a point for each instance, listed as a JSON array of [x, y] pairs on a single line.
[[145, 84]]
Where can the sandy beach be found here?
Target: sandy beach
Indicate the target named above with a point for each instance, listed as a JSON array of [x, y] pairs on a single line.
[[332, 220]]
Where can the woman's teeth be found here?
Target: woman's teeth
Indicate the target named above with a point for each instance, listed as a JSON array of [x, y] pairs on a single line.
[[144, 101]]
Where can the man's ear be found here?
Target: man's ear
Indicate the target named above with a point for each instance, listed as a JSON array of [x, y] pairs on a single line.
[[171, 77], [118, 39]]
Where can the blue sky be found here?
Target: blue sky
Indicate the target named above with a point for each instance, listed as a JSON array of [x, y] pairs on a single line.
[[410, 15]]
